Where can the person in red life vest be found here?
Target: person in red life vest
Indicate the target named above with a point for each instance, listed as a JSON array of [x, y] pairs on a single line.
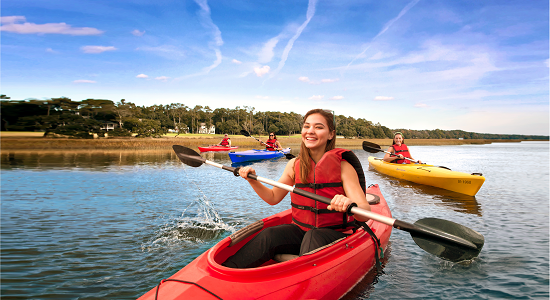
[[322, 169], [272, 143], [226, 141], [400, 151]]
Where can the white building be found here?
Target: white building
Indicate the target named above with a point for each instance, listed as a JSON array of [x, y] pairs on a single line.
[[204, 129]]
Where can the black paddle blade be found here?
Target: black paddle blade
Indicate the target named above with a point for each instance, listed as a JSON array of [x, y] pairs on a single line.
[[245, 133], [289, 156], [454, 252], [188, 156], [371, 147]]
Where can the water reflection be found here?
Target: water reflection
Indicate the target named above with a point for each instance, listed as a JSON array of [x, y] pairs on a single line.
[[458, 202], [82, 159]]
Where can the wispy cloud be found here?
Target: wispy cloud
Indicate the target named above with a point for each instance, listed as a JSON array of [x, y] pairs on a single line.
[[316, 97], [337, 98], [386, 27], [83, 81], [50, 50], [142, 76], [266, 54], [137, 32], [236, 62], [421, 105], [307, 80], [261, 71], [166, 51], [382, 98], [217, 42], [12, 24], [162, 78], [97, 49], [309, 15]]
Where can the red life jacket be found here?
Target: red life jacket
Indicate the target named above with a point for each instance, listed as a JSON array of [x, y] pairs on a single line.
[[271, 145], [325, 180], [403, 150], [225, 142]]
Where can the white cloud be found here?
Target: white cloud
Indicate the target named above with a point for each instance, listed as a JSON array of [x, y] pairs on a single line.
[[142, 76], [11, 24], [382, 98], [12, 19], [261, 71], [138, 33], [329, 80], [50, 50], [303, 79], [546, 63], [337, 98], [316, 97], [421, 105], [97, 49], [84, 81], [236, 61], [266, 54], [162, 78]]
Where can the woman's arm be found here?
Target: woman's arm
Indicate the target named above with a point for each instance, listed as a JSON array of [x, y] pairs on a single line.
[[354, 192], [274, 195], [390, 158]]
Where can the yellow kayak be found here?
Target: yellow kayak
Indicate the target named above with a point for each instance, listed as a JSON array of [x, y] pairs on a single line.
[[459, 182]]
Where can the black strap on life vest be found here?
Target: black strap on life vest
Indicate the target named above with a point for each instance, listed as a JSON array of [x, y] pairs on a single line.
[[378, 248], [318, 185]]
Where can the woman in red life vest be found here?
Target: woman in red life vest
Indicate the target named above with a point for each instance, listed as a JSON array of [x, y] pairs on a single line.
[[272, 143], [226, 141], [322, 169], [400, 150]]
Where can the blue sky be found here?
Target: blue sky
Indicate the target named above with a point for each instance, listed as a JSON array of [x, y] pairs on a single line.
[[478, 66]]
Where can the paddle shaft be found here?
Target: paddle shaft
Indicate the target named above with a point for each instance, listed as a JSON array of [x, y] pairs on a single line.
[[411, 228], [380, 150]]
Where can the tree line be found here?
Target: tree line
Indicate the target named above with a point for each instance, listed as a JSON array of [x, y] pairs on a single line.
[[82, 118]]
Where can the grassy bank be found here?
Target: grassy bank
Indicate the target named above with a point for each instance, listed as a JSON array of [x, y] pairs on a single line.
[[35, 141]]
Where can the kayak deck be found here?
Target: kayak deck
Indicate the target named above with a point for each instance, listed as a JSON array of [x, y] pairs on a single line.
[[328, 273], [217, 148], [464, 183], [255, 154]]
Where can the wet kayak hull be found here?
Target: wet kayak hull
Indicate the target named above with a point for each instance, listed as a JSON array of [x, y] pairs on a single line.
[[326, 274], [464, 183], [217, 148], [254, 155]]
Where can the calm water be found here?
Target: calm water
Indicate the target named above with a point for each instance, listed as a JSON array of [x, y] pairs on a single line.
[[112, 225]]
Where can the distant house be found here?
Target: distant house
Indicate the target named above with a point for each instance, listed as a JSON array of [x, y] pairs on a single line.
[[109, 126], [205, 130]]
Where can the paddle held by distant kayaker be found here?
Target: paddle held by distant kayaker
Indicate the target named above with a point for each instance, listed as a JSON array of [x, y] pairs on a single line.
[[272, 143], [399, 151], [322, 169], [226, 141]]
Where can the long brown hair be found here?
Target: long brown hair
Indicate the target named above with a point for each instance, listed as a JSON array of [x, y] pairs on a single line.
[[305, 156]]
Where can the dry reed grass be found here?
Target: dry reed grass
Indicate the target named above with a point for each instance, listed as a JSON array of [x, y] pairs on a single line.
[[36, 142]]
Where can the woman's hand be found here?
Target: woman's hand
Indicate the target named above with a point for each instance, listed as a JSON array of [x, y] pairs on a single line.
[[244, 171], [339, 203]]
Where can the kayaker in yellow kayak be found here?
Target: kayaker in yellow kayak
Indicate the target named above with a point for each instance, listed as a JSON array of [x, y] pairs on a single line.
[[400, 150], [320, 168], [226, 141], [272, 143]]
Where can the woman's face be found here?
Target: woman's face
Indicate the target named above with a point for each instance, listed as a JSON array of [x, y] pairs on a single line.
[[398, 139], [315, 132]]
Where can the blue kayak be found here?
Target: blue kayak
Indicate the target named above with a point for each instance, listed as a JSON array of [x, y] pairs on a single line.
[[254, 154]]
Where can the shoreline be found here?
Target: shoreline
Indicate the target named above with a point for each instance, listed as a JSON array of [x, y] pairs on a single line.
[[14, 142]]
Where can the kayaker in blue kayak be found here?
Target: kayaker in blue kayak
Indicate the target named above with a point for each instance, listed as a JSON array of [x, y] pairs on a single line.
[[322, 169], [272, 143], [400, 150], [226, 141]]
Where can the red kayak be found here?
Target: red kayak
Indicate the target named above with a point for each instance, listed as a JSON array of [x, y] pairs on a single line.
[[217, 148], [328, 273]]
